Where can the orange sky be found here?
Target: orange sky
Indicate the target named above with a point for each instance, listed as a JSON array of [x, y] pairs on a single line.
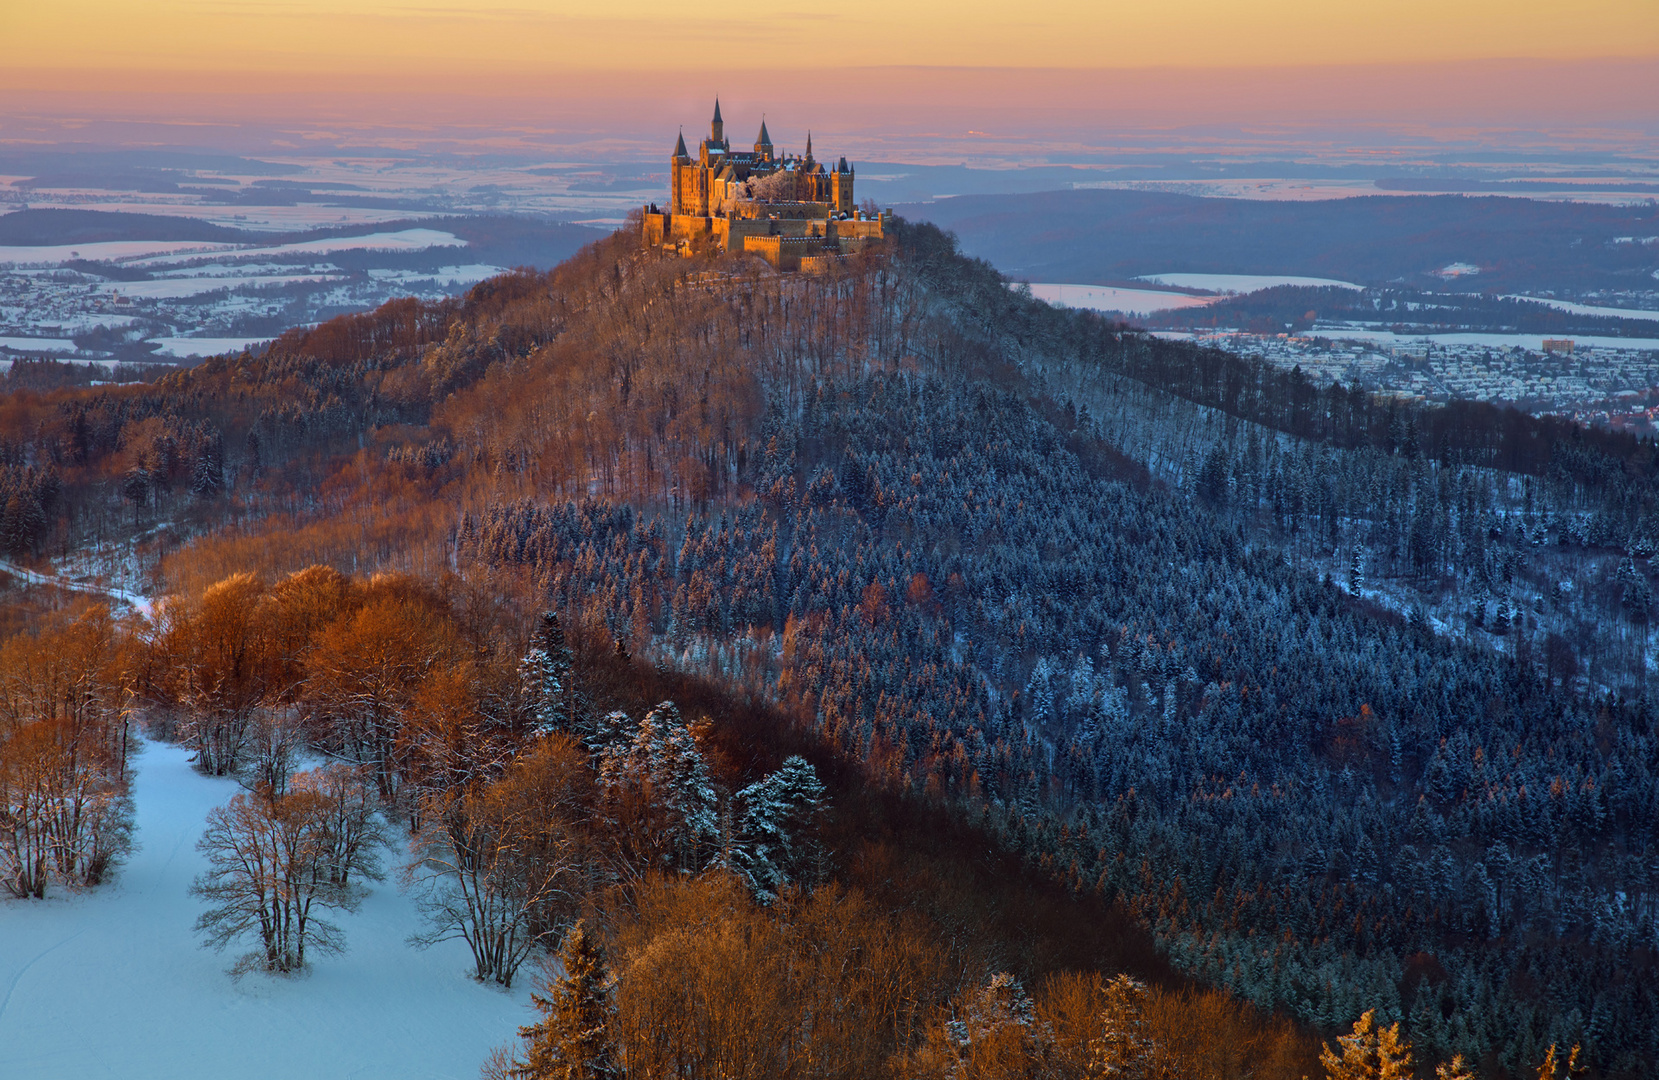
[[414, 43]]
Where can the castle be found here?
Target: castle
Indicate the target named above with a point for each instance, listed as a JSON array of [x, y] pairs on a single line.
[[791, 211]]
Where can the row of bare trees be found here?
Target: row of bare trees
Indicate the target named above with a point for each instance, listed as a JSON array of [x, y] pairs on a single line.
[[65, 814]]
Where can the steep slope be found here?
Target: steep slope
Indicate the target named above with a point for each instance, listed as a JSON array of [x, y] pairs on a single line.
[[1070, 585]]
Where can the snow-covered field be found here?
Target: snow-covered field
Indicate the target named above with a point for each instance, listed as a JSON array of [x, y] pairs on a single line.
[[114, 984], [109, 250], [176, 288], [1241, 283], [1590, 309], [402, 240], [443, 275], [183, 347], [1107, 298], [37, 345]]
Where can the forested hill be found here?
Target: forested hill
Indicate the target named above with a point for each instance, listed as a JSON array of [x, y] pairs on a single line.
[[1343, 701]]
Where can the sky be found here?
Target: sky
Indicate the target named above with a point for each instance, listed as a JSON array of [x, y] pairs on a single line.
[[180, 43], [1043, 78]]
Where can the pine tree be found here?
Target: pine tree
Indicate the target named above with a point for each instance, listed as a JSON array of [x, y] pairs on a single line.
[[1124, 1049], [778, 818], [1370, 1052], [1553, 1068], [1455, 1069], [548, 671], [572, 1040]]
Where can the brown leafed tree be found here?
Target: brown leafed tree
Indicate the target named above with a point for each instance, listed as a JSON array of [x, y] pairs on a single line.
[[217, 663], [363, 672], [64, 810], [503, 865]]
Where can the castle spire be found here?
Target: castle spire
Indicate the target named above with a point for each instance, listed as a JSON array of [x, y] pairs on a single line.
[[809, 144], [679, 147], [717, 128]]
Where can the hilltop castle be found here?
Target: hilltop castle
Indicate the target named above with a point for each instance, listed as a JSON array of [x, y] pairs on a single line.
[[791, 211]]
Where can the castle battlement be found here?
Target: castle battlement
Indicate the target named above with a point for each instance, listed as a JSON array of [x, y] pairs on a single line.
[[776, 206]]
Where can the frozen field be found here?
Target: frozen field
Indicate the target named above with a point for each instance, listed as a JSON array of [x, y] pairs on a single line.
[[402, 240], [37, 345], [1107, 298], [105, 251], [184, 347], [1590, 309], [177, 288], [1241, 283], [114, 984]]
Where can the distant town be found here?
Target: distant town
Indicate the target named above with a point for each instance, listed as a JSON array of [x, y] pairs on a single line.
[[1595, 384]]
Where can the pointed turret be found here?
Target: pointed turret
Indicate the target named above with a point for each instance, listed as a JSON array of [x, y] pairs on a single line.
[[763, 143], [808, 158], [679, 149], [717, 128]]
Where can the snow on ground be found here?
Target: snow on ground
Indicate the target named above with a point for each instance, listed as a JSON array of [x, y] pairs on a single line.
[[37, 345], [176, 288], [181, 347], [402, 240], [102, 251], [1241, 283], [443, 275], [1532, 342], [113, 982], [1589, 309], [1107, 298], [253, 218]]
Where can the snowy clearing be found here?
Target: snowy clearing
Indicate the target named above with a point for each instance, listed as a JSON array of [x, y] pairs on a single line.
[[1532, 342], [102, 251], [1242, 283], [182, 347], [443, 275], [1107, 298], [175, 288], [1589, 309], [402, 240], [37, 345], [114, 983]]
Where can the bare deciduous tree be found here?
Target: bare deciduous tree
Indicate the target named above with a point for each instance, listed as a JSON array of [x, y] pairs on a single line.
[[276, 862], [503, 865]]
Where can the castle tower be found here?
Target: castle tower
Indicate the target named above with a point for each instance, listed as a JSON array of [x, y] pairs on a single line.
[[808, 158], [677, 167], [717, 129], [841, 191], [763, 143]]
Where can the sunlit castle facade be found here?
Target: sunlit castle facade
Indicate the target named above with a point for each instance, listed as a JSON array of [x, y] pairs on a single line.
[[791, 211]]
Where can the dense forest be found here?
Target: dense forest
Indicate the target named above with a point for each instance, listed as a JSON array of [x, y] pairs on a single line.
[[1332, 705]]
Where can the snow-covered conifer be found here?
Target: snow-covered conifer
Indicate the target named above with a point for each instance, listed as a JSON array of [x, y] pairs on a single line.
[[549, 675], [777, 819]]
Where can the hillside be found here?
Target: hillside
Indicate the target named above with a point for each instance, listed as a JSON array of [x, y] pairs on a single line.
[[1336, 704]]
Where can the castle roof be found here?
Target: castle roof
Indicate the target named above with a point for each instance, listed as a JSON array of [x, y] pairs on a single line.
[[763, 139], [679, 146], [717, 119]]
